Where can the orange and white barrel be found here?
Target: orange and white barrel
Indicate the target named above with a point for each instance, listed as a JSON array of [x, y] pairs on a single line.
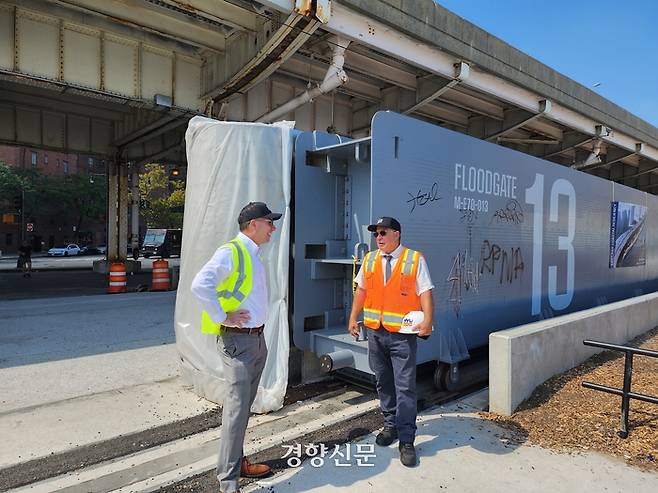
[[118, 279], [160, 280]]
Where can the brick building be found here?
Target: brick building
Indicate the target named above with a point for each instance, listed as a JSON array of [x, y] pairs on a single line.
[[48, 229]]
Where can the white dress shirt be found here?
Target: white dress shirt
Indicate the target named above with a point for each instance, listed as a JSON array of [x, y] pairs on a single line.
[[218, 268], [423, 279]]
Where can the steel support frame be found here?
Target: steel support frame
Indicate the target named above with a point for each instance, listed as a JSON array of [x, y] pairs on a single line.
[[117, 210], [383, 38]]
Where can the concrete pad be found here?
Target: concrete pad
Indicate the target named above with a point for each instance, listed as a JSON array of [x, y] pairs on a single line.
[[35, 385], [459, 451], [150, 469], [523, 357], [58, 427], [59, 348], [76, 371]]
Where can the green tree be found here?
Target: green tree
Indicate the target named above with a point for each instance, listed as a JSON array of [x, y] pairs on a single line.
[[71, 198], [17, 189], [10, 180], [85, 199], [161, 199]]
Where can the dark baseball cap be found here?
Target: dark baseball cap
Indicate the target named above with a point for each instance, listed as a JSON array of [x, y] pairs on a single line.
[[256, 210], [386, 222]]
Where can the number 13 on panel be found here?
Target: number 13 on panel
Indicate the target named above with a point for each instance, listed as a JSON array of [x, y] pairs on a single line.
[[535, 197]]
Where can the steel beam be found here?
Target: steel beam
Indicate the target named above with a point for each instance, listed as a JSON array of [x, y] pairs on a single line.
[[461, 73], [292, 34], [641, 173], [516, 118], [358, 63], [285, 6], [162, 125], [513, 140], [159, 155], [167, 23], [613, 156], [306, 69], [571, 141], [219, 10]]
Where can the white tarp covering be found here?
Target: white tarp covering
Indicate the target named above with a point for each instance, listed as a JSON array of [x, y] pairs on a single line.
[[229, 165]]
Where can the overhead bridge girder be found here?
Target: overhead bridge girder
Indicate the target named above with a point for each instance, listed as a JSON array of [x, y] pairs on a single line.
[[258, 64], [95, 56], [31, 120]]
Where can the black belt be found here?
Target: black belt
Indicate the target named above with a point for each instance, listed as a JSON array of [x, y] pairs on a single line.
[[244, 330]]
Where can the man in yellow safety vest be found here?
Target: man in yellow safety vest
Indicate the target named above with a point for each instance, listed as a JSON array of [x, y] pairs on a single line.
[[231, 288]]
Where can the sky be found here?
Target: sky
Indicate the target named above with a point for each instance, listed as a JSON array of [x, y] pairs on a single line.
[[609, 46]]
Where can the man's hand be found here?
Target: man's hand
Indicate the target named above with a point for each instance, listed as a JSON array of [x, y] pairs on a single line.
[[424, 328], [353, 328], [427, 305], [357, 306], [237, 318]]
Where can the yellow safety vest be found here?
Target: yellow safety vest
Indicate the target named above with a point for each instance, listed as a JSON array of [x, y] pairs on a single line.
[[233, 290]]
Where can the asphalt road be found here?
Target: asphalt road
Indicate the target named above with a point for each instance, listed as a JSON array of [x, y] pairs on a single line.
[[56, 283], [41, 262]]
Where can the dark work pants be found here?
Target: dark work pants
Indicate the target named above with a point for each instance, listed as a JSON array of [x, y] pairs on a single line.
[[392, 358]]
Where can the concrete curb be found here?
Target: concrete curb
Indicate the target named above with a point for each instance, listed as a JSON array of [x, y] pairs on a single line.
[[524, 357]]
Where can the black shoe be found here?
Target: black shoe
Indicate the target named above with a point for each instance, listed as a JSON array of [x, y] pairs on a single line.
[[407, 454], [387, 436]]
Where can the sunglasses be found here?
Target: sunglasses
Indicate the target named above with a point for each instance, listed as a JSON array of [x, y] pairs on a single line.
[[375, 234], [268, 221]]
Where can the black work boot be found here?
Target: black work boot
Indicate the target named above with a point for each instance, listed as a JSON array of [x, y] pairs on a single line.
[[387, 436], [407, 454]]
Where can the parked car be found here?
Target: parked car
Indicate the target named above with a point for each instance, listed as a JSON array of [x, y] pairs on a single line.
[[102, 249], [64, 250], [90, 250]]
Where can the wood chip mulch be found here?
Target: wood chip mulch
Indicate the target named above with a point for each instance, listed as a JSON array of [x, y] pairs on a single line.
[[564, 416]]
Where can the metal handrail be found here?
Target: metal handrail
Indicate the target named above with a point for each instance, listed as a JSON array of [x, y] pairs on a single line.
[[625, 392]]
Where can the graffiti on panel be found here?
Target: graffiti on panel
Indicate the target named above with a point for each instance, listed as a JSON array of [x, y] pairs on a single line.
[[505, 263], [423, 197], [512, 213]]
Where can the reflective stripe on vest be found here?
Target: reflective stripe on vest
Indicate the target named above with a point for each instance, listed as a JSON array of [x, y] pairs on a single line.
[[386, 305], [233, 290]]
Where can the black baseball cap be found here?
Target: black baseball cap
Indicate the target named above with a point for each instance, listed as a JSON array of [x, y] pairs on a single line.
[[386, 222], [256, 210]]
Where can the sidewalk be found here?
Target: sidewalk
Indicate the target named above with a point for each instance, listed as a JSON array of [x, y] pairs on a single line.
[[459, 451]]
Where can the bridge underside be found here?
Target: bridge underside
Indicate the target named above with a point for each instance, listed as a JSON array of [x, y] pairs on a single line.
[[121, 81]]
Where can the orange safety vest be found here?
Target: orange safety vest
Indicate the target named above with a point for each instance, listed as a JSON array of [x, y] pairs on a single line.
[[387, 304]]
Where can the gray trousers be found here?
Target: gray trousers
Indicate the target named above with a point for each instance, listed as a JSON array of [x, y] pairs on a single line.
[[244, 358], [392, 358]]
